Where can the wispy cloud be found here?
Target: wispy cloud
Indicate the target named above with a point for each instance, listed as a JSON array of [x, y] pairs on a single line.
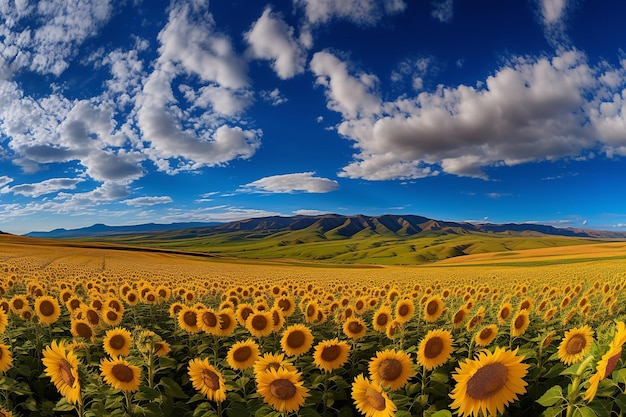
[[148, 201], [50, 186], [443, 10], [291, 183]]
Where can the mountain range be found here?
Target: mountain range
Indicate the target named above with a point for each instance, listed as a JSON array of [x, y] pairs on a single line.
[[332, 224]]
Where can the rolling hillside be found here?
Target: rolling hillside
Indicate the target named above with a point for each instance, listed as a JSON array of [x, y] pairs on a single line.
[[388, 239]]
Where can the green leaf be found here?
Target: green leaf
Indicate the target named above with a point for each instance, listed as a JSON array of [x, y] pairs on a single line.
[[63, 405], [403, 413], [620, 400], [146, 393], [441, 413], [620, 376], [554, 371], [584, 411], [551, 396], [554, 411], [172, 389]]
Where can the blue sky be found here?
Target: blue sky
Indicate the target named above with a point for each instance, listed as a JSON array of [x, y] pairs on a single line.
[[167, 111]]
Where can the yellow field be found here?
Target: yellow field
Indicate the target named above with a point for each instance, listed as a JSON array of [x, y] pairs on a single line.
[[135, 332]]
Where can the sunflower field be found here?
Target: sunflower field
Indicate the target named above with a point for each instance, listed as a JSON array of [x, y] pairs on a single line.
[[102, 333]]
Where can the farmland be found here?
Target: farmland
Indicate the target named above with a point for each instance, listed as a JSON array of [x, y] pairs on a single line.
[[95, 329]]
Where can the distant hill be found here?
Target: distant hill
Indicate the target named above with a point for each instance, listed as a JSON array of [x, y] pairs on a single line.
[[104, 230], [386, 239]]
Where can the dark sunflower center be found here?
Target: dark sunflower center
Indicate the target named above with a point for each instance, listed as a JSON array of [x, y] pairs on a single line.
[[117, 342], [525, 305], [150, 297], [242, 354], [65, 369], [224, 321], [209, 318], [485, 333], [273, 365], [132, 297], [310, 311], [575, 344], [504, 313], [355, 327], [330, 353], [283, 389], [259, 322], [611, 364], [275, 318], [190, 318], [285, 305], [519, 322], [432, 307], [403, 310], [112, 315], [245, 312], [46, 308], [83, 330], [375, 399], [295, 339], [382, 319], [487, 381], [459, 316], [92, 316], [390, 369], [18, 304], [122, 372], [162, 293], [211, 379], [433, 348], [359, 305]]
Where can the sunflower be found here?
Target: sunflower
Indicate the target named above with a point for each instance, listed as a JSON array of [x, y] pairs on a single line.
[[381, 318], [4, 320], [120, 374], [526, 304], [476, 319], [287, 305], [272, 361], [6, 360], [260, 323], [47, 309], [505, 312], [330, 354], [433, 308], [282, 389], [18, 304], [487, 384], [404, 310], [175, 309], [370, 398], [81, 328], [606, 365], [391, 368], [117, 342], [188, 320], [243, 311], [575, 345], [61, 366], [228, 322], [208, 321], [111, 316], [91, 315], [206, 379], [486, 335], [393, 328], [354, 328], [460, 316], [310, 312], [296, 340], [243, 354], [520, 323], [435, 348]]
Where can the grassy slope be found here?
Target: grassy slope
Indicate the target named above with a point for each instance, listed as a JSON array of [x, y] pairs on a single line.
[[362, 248]]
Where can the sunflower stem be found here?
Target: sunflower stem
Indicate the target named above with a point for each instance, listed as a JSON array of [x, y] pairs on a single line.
[[127, 396], [571, 398], [423, 379]]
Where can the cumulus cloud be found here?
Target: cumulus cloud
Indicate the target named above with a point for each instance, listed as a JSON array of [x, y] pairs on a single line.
[[49, 186], [44, 36], [148, 201], [364, 12], [4, 180], [273, 97], [271, 38], [531, 109], [290, 183], [194, 136]]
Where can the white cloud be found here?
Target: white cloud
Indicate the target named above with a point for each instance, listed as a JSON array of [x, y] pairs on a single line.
[[364, 12], [552, 11], [49, 186], [443, 10], [4, 180], [531, 109], [272, 39], [148, 201], [273, 97], [194, 137], [309, 212], [43, 38], [289, 183]]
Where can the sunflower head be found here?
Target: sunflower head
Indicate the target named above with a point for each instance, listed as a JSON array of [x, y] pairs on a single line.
[[575, 345], [381, 318], [206, 379], [370, 398], [486, 335], [435, 349], [391, 368], [330, 354], [487, 384], [272, 361], [6, 359], [520, 323], [354, 328], [433, 308], [260, 323], [47, 309], [404, 310], [120, 374], [243, 354], [117, 342], [282, 389], [61, 365], [296, 340]]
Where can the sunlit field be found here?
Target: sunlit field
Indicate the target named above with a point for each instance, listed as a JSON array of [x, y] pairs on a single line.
[[105, 332]]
